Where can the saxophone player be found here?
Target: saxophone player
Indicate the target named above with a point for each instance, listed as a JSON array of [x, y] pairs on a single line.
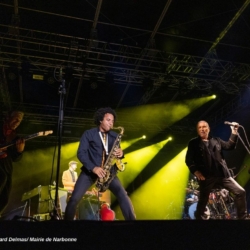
[[95, 145]]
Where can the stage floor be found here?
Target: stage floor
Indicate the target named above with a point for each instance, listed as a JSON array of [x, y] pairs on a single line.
[[167, 234]]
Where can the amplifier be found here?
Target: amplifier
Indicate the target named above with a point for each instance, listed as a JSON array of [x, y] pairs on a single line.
[[47, 199]]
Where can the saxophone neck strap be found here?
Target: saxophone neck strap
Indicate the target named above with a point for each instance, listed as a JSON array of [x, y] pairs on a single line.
[[104, 143]]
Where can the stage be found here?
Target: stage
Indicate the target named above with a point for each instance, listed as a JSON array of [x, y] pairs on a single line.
[[168, 234]]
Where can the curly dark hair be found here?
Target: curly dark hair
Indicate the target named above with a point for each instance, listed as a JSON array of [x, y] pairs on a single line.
[[99, 114]]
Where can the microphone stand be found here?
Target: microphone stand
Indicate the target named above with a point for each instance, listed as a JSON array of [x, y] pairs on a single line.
[[62, 92], [243, 143], [246, 150], [239, 172]]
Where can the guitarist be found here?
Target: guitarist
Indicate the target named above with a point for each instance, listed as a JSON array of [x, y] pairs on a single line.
[[8, 155]]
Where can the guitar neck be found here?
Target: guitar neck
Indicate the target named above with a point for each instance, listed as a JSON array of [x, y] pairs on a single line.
[[26, 138]]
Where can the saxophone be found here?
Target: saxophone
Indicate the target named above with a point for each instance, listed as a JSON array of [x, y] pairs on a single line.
[[102, 184]]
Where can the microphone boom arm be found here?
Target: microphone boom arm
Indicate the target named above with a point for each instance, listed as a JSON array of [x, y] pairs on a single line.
[[243, 143]]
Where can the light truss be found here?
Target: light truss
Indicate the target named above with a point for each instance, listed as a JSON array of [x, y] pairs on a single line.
[[46, 51]]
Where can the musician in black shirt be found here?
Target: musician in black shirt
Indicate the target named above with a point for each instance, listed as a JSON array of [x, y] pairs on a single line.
[[205, 160], [9, 154]]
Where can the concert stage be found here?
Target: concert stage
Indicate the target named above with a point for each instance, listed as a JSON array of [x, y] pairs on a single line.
[[168, 234]]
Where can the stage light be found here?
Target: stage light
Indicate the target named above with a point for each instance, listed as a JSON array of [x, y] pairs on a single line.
[[39, 77], [128, 143], [139, 159], [93, 82], [170, 138], [12, 72], [144, 137], [164, 193], [165, 114], [213, 96]]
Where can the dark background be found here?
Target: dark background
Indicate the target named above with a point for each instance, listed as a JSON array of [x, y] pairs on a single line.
[[122, 54]]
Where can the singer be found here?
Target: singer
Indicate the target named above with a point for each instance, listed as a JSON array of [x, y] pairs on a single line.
[[205, 160]]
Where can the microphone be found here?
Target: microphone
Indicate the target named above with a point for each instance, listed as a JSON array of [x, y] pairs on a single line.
[[231, 124]]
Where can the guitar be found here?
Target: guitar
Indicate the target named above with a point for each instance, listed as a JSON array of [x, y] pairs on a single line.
[[6, 145]]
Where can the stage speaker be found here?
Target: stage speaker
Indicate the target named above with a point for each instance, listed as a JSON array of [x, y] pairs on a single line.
[[88, 209]]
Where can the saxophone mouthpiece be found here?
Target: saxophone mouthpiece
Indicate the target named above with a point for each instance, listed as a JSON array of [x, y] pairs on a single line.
[[120, 128]]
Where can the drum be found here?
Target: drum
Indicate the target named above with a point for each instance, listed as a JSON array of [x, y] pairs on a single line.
[[212, 198], [192, 209], [225, 194]]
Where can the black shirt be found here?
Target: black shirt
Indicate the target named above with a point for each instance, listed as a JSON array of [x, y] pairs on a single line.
[[215, 170]]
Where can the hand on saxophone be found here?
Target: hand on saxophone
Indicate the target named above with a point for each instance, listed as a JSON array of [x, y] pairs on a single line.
[[99, 172], [118, 152]]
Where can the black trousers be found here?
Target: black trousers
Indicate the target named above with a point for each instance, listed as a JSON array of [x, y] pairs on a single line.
[[83, 183], [228, 183], [5, 187]]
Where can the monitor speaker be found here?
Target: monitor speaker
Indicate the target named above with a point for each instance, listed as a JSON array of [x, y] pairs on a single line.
[[88, 209]]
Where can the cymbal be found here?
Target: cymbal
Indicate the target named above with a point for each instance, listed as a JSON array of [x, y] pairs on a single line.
[[191, 200]]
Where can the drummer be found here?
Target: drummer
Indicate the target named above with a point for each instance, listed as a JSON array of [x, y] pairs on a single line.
[[191, 195], [192, 192], [191, 198]]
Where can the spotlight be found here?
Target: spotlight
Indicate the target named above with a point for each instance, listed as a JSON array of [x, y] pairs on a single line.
[[143, 137], [12, 76], [51, 80], [37, 76], [93, 85], [49, 77], [170, 138], [213, 96], [93, 82]]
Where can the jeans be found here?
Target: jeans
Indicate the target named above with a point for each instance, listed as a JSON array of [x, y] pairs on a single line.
[[83, 183], [228, 183]]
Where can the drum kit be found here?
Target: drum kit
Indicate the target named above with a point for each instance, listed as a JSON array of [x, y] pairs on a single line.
[[220, 204]]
